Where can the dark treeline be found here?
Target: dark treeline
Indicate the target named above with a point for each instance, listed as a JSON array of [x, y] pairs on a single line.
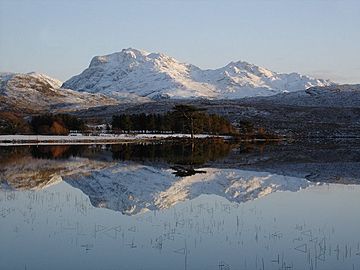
[[56, 124], [46, 124], [173, 122], [184, 119]]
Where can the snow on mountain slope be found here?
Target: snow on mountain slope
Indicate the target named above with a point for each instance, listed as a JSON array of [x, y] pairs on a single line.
[[134, 188], [35, 92], [132, 73]]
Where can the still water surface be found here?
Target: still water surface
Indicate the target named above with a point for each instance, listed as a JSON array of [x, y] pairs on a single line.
[[126, 207]]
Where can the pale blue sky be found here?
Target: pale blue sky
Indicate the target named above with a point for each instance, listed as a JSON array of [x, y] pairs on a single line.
[[318, 38]]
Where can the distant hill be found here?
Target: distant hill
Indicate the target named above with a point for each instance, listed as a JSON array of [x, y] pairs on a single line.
[[329, 96]]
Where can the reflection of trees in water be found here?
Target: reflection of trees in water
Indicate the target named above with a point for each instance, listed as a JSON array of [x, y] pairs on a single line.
[[11, 154], [9, 150], [180, 153], [185, 153], [52, 152], [57, 151]]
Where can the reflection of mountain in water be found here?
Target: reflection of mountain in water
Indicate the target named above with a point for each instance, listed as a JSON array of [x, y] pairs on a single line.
[[34, 168], [28, 173], [132, 178], [30, 167], [332, 162], [133, 188]]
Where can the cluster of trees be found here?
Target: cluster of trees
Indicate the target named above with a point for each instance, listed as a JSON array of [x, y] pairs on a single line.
[[183, 119], [56, 124], [47, 124], [11, 123]]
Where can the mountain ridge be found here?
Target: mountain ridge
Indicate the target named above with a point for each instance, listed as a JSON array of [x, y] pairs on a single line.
[[156, 75]]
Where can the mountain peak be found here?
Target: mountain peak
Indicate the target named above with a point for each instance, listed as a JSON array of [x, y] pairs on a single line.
[[126, 55], [135, 51], [245, 67]]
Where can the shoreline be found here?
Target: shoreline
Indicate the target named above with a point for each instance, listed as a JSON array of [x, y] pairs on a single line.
[[15, 140]]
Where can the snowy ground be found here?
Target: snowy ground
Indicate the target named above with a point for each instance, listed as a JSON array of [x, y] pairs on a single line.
[[80, 139]]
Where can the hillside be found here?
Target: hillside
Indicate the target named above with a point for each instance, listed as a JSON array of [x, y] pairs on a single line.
[[340, 96], [322, 112], [35, 93]]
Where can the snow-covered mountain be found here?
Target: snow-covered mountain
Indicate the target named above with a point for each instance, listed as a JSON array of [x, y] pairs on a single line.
[[33, 92], [133, 73]]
